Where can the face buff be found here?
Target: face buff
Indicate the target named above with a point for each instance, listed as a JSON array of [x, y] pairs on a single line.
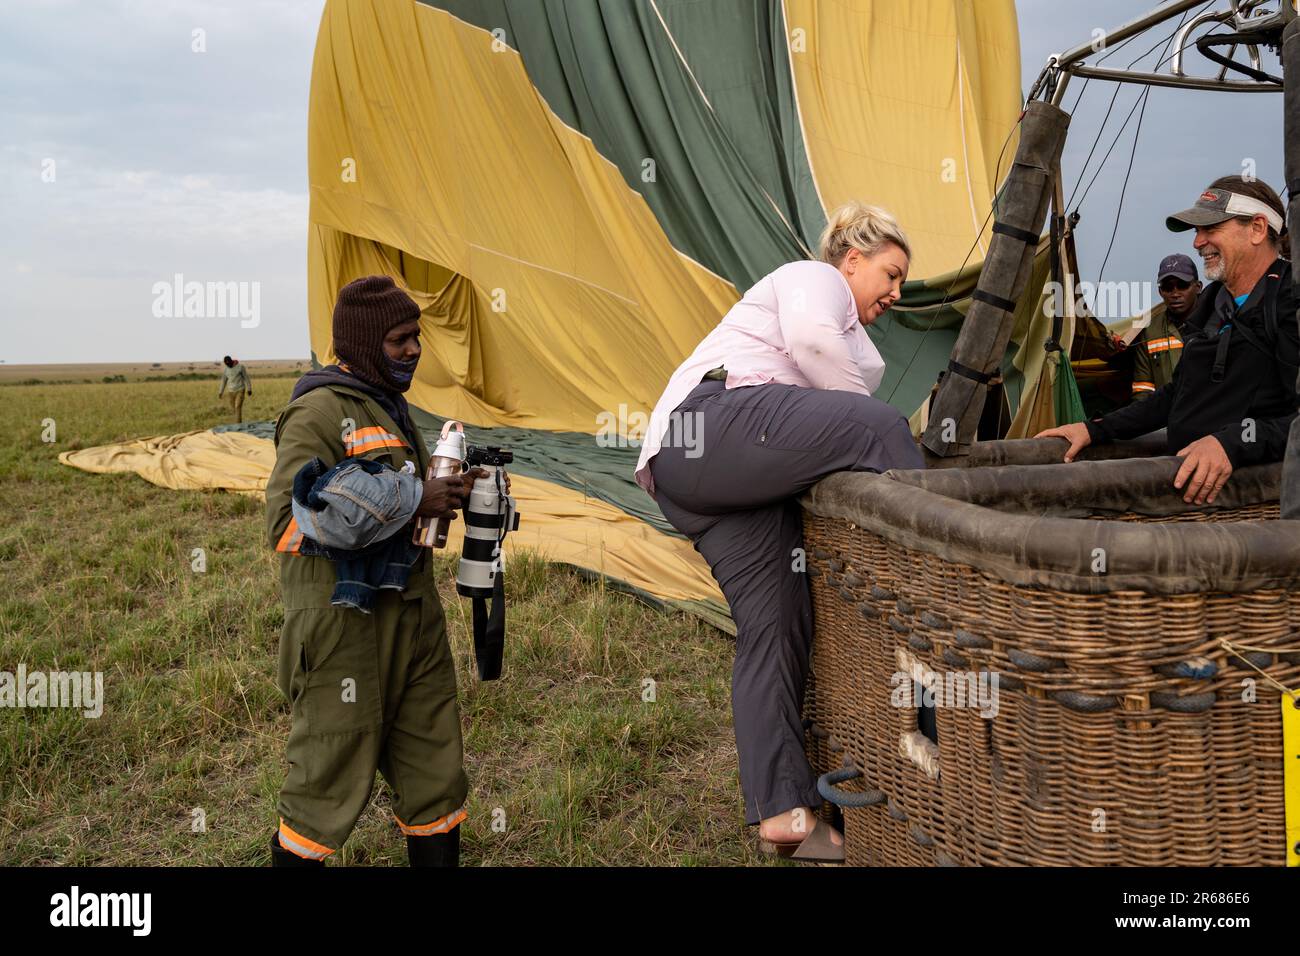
[[399, 374]]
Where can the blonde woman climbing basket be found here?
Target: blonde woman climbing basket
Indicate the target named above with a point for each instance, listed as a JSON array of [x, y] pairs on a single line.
[[776, 397]]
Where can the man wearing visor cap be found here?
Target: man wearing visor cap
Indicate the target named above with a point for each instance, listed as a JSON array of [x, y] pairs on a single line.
[[1233, 395]]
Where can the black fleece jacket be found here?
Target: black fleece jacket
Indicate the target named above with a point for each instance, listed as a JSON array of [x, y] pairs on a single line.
[[1251, 409]]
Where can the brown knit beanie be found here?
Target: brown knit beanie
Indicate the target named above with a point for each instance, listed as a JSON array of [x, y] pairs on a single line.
[[366, 311]]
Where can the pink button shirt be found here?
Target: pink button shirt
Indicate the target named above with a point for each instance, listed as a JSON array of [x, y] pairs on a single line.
[[795, 326]]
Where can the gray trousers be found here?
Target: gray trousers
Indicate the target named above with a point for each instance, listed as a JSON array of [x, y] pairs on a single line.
[[727, 476]]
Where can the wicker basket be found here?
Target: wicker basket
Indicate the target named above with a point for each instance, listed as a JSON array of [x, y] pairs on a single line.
[[1125, 731]]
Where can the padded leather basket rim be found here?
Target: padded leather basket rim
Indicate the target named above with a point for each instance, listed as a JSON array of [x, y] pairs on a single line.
[[1001, 520]]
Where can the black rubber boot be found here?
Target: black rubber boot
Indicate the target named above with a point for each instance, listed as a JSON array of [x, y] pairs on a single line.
[[282, 857], [440, 849]]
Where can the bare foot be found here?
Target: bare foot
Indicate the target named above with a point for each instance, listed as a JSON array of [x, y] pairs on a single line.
[[792, 826]]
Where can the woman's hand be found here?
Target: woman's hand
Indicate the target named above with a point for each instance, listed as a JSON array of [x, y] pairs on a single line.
[[1076, 434]]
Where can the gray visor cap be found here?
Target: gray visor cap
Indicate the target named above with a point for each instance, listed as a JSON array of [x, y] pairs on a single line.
[[1211, 209], [1217, 205]]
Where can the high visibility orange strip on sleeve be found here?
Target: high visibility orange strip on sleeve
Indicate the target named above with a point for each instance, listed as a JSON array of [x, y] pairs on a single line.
[[291, 541], [390, 441], [368, 439]]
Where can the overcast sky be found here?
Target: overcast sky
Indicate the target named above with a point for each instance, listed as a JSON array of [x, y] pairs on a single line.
[[127, 157], [166, 161]]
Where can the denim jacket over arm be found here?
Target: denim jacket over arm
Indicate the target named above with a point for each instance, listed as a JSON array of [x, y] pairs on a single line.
[[353, 514], [354, 504], [338, 424]]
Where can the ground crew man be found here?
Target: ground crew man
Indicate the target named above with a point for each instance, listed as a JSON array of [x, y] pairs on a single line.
[[1233, 396], [1160, 344], [369, 689], [235, 382]]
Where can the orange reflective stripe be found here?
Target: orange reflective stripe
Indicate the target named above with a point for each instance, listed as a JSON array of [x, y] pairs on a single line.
[[1144, 386], [301, 845], [354, 450], [1164, 345], [440, 825], [371, 446], [368, 439], [291, 540]]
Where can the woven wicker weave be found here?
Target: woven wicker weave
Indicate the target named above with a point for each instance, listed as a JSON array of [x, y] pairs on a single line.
[[1165, 770]]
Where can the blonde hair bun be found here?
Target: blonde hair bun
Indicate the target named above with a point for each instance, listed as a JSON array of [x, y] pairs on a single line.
[[858, 225]]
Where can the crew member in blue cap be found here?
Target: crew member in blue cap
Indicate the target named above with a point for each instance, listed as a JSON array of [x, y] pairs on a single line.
[[1160, 345]]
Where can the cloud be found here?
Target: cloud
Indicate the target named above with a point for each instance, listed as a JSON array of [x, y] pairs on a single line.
[[144, 205], [165, 160]]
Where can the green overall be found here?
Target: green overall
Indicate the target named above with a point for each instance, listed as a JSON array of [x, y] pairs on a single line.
[[367, 691], [1158, 349]]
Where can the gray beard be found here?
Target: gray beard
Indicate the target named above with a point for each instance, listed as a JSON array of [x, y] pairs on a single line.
[[1215, 272]]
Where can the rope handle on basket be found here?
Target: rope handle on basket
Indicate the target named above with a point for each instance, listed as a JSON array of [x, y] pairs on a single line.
[[1237, 650], [845, 798]]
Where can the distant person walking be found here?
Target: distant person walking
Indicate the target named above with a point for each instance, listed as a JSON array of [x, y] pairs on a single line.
[[235, 382]]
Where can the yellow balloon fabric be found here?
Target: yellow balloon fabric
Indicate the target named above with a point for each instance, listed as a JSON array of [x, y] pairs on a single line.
[[907, 105], [570, 300], [558, 523]]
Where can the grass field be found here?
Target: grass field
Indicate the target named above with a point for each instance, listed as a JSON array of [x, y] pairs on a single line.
[[85, 374], [96, 577]]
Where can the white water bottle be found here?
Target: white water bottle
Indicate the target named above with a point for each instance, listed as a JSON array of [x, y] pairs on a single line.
[[448, 459]]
